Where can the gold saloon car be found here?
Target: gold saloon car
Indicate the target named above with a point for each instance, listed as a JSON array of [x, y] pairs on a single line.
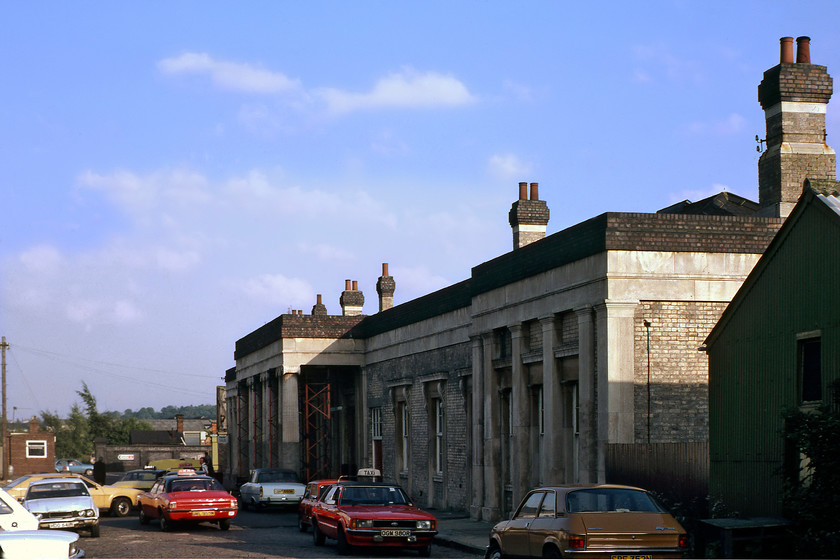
[[588, 521]]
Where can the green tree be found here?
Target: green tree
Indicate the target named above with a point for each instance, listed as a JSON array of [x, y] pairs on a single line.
[[74, 437], [811, 498]]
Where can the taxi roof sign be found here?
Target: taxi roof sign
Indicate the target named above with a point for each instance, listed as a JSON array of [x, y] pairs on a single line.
[[186, 472], [368, 472]]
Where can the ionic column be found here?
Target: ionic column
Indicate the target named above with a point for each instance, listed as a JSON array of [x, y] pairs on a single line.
[[491, 506], [477, 452], [587, 424], [290, 421], [521, 419], [552, 463]]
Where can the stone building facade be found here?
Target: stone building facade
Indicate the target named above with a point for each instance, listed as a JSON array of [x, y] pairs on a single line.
[[523, 373]]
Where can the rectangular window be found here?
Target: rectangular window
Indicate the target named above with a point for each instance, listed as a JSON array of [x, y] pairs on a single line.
[[376, 436], [403, 434], [36, 448], [438, 436], [810, 375]]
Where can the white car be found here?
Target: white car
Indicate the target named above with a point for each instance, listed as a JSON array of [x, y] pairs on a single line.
[[41, 543], [62, 503], [271, 487], [13, 516]]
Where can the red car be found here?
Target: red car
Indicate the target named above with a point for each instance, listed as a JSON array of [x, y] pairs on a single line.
[[187, 496], [372, 514], [310, 496]]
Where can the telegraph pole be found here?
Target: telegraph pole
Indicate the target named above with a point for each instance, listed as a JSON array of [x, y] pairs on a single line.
[[5, 470]]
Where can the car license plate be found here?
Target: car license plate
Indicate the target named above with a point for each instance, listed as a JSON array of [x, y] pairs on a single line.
[[202, 513], [60, 525], [631, 556], [395, 533], [283, 491]]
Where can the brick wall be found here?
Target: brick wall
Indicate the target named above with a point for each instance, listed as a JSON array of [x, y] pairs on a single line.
[[20, 464], [451, 490], [679, 371]]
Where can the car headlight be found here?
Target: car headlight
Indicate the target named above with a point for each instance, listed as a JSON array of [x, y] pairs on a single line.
[[427, 525], [172, 505], [361, 523]]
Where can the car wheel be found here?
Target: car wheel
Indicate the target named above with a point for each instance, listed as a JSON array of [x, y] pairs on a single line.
[[317, 536], [493, 551], [89, 472], [144, 519], [551, 551], [224, 524], [165, 524], [342, 546], [425, 551], [94, 531], [120, 507]]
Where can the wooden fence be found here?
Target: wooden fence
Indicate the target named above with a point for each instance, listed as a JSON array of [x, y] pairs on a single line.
[[678, 473]]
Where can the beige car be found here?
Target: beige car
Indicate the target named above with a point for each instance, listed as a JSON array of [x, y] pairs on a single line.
[[588, 521], [116, 500]]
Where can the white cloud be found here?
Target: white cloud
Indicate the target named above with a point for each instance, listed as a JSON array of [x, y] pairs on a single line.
[[44, 259], [137, 193], [325, 253], [406, 89], [276, 289], [507, 166], [229, 75]]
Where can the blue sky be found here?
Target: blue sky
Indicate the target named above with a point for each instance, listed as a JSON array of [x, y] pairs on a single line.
[[175, 175]]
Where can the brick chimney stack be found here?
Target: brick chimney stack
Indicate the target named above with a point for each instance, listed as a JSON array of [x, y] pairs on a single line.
[[385, 287], [794, 96], [351, 300], [319, 308], [528, 217], [179, 422]]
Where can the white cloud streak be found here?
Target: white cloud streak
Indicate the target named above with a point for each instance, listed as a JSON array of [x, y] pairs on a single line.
[[231, 76]]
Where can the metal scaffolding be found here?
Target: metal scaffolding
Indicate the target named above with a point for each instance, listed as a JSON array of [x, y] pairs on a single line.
[[316, 408]]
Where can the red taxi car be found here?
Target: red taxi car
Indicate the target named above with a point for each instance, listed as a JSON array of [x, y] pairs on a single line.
[[187, 496], [310, 496], [372, 514]]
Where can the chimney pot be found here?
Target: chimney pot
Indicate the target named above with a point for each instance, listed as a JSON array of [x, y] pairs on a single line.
[[347, 284], [523, 190], [535, 191], [786, 49], [318, 299], [384, 269], [803, 50], [355, 285]]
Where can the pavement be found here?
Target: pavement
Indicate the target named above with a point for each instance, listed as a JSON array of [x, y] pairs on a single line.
[[457, 530]]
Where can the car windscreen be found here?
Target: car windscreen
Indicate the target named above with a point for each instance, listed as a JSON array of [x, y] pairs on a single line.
[[373, 495], [56, 490], [194, 484], [610, 500], [276, 477]]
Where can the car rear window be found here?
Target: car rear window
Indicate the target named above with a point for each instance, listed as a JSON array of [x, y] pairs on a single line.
[[277, 477], [194, 484], [610, 500], [56, 490]]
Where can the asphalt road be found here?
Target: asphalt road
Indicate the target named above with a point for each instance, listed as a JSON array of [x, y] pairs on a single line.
[[271, 533]]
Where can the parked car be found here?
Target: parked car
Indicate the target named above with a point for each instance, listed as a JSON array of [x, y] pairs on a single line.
[[13, 516], [187, 496], [271, 487], [38, 544], [74, 466], [588, 521], [117, 501], [372, 514], [139, 478], [310, 495], [63, 503]]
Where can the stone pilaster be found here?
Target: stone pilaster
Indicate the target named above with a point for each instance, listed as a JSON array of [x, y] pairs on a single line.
[[477, 459]]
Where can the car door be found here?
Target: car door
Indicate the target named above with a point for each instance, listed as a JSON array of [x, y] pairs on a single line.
[[515, 541], [149, 500], [328, 514], [544, 525]]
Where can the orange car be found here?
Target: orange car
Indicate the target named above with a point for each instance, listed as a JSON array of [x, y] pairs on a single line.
[[310, 496], [588, 521]]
